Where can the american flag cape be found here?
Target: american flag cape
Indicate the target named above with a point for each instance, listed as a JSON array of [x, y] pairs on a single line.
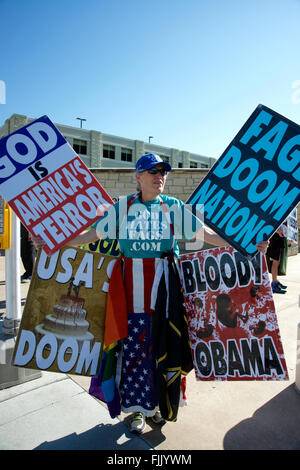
[[141, 377], [136, 367]]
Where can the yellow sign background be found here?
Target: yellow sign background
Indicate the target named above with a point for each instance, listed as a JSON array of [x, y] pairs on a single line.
[[44, 294]]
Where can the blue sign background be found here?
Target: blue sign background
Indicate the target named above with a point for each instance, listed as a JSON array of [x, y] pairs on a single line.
[[40, 153], [254, 185]]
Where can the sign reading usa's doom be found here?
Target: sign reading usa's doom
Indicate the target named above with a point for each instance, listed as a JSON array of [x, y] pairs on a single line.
[[233, 326], [62, 326], [47, 185]]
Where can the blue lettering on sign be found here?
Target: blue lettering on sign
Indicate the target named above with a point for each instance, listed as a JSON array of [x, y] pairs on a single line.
[[255, 128], [229, 163], [271, 140], [266, 182], [287, 160], [244, 174], [281, 200], [26, 146]]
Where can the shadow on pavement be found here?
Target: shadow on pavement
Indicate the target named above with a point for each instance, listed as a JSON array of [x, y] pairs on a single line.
[[105, 437], [101, 437], [274, 426]]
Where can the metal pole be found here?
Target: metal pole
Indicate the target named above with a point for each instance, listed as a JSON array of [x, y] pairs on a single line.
[[11, 375], [297, 374], [12, 275], [81, 119]]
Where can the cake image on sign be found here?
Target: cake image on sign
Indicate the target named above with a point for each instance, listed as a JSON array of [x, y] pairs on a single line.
[[68, 319]]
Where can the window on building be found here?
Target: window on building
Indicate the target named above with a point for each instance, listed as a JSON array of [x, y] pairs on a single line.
[[126, 155], [203, 165], [109, 151], [165, 159], [80, 146], [179, 165], [193, 164]]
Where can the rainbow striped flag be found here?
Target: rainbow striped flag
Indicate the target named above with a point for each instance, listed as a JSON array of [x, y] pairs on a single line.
[[104, 386]]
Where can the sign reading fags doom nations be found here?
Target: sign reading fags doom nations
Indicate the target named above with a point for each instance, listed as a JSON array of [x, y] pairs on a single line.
[[62, 326], [231, 315], [47, 184], [255, 183]]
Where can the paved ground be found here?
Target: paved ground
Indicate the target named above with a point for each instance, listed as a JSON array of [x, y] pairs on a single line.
[[56, 412]]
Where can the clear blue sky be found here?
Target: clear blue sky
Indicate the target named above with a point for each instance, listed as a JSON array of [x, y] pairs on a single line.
[[188, 72]]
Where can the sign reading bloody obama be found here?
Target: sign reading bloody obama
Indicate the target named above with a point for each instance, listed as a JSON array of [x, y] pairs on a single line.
[[254, 185], [47, 184], [233, 327]]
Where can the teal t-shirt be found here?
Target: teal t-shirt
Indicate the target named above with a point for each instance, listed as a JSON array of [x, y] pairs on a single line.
[[144, 229]]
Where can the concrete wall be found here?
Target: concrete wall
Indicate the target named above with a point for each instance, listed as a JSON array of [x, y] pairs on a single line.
[[120, 182], [180, 183]]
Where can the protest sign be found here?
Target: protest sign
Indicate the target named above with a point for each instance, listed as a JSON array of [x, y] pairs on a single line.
[[105, 246], [253, 186], [62, 327], [233, 326], [290, 227], [47, 185]]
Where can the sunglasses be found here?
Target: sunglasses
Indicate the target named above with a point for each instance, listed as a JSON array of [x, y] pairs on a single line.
[[154, 171]]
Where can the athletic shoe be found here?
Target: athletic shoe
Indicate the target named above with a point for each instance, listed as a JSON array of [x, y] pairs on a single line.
[[25, 278], [281, 285], [276, 289], [158, 419], [138, 423]]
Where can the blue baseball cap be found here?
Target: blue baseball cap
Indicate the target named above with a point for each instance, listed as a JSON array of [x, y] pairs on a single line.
[[149, 160]]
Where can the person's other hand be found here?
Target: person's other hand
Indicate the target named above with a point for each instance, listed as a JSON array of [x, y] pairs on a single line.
[[263, 246], [38, 242], [102, 209]]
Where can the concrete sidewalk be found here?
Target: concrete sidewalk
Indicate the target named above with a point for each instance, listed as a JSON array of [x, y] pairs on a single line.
[[55, 411]]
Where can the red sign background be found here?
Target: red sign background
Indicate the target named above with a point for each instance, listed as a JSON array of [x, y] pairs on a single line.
[[233, 326]]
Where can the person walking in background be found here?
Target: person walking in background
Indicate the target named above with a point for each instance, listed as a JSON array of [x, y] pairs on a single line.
[[274, 252], [28, 253]]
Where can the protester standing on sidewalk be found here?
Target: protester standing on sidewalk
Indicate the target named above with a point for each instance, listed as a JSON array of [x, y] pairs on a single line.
[[147, 231]]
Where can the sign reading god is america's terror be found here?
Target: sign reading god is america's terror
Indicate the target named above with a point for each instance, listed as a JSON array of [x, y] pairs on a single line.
[[254, 185], [233, 326], [47, 184], [62, 326]]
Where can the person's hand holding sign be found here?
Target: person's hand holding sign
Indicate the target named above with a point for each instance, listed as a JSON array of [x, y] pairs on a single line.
[[263, 246]]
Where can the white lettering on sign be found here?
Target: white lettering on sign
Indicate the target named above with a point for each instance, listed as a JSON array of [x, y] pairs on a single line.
[[23, 149], [84, 273], [29, 349]]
